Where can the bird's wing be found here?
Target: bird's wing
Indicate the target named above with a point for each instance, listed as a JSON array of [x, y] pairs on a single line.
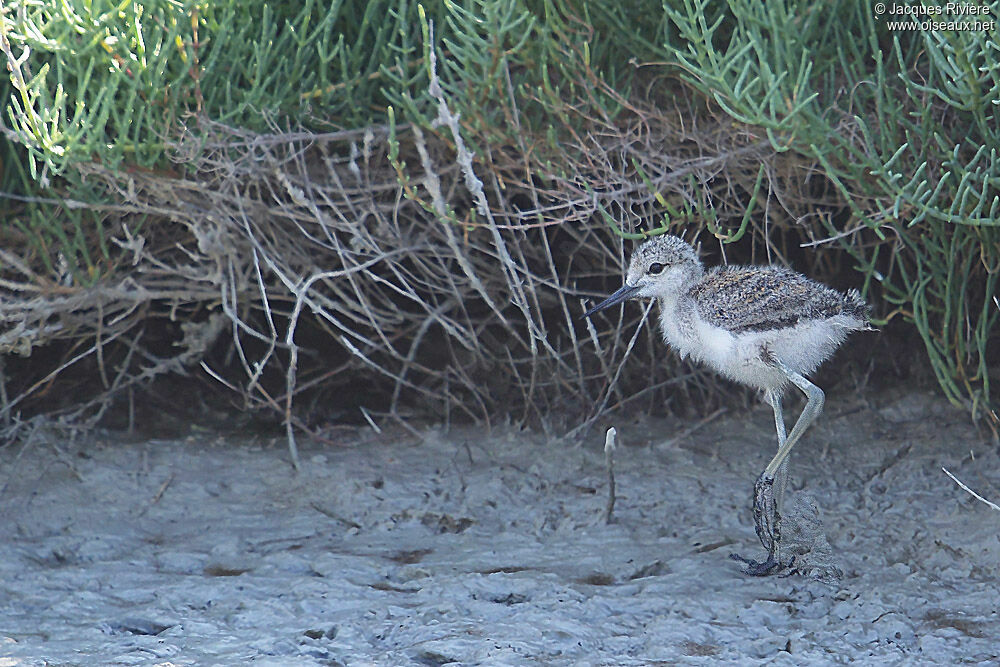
[[762, 298]]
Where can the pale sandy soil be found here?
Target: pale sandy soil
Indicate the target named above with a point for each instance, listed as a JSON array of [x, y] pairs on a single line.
[[459, 548]]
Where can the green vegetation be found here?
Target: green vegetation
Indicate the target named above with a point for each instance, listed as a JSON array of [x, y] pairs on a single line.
[[500, 132], [905, 125]]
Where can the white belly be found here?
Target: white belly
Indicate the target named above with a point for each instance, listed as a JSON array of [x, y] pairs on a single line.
[[741, 357]]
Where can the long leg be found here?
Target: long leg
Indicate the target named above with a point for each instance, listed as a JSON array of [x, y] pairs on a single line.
[[766, 519], [767, 500], [781, 478], [814, 406]]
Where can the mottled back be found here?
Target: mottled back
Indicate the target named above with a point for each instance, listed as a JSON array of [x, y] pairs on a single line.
[[762, 298]]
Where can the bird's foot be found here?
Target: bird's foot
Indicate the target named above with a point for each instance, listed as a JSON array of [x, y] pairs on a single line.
[[767, 523], [762, 568]]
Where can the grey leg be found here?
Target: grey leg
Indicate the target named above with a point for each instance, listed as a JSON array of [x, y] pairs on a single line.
[[814, 406], [767, 499], [781, 478]]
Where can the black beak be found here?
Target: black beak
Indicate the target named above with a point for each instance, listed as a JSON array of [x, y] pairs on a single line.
[[626, 292]]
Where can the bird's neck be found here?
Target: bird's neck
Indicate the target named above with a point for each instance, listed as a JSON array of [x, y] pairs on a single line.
[[677, 308], [675, 303], [679, 292]]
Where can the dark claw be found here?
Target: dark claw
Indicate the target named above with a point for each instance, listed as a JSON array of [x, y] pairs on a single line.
[[762, 568]]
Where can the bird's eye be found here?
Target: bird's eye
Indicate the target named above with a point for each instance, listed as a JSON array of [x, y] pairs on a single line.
[[655, 269]]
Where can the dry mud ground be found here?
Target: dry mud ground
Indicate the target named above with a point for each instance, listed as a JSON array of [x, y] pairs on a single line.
[[460, 548]]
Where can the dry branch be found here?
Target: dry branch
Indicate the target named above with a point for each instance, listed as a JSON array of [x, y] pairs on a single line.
[[455, 293]]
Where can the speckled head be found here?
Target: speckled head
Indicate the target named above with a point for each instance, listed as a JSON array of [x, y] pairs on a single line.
[[661, 266], [658, 258]]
